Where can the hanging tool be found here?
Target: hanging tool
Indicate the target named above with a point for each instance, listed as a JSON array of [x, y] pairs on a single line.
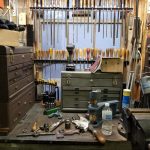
[[84, 6], [58, 23], [54, 17], [103, 17], [77, 21], [118, 16], [88, 16], [51, 23], [111, 18], [106, 15], [114, 24], [92, 15], [73, 6], [80, 12], [43, 5], [122, 7], [99, 20]]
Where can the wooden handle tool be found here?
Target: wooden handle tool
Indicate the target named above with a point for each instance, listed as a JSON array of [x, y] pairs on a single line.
[[99, 136]]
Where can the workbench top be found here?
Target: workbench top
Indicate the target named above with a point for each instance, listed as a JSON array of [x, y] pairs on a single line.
[[36, 114]]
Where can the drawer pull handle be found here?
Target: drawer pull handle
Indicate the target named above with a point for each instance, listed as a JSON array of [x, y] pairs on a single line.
[[91, 80], [19, 114], [77, 105], [68, 81], [76, 99], [114, 82]]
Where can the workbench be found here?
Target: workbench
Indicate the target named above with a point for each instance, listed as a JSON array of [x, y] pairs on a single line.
[[80, 141]]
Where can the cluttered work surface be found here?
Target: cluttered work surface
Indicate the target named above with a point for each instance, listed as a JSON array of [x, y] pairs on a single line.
[[58, 139]]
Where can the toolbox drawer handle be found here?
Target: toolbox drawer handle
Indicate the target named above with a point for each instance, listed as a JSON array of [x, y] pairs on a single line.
[[77, 105], [19, 113], [91, 80], [76, 99], [19, 103], [114, 82], [105, 91]]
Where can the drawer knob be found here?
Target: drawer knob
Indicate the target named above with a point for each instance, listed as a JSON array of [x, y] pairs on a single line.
[[19, 113], [76, 105], [91, 80], [114, 82]]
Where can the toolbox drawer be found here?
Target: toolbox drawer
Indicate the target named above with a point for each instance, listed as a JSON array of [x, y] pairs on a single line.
[[75, 102], [12, 112], [18, 58], [20, 84]]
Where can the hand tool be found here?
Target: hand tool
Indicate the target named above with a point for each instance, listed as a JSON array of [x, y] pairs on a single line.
[[84, 6], [99, 20], [118, 16], [88, 16], [111, 19], [84, 125], [114, 24], [103, 17], [43, 4], [80, 12], [106, 16], [54, 5], [77, 22], [73, 5], [92, 15], [35, 134], [57, 124], [62, 133], [58, 23], [99, 136], [122, 7], [88, 56], [34, 127]]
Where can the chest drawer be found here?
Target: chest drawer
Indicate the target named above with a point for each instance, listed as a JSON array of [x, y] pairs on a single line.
[[12, 112], [20, 84]]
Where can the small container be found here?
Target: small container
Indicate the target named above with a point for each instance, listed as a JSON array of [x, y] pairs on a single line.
[[67, 124]]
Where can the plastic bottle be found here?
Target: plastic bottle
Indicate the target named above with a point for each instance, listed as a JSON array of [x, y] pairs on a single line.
[[107, 120]]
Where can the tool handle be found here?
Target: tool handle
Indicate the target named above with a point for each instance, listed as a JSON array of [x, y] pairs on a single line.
[[99, 136], [71, 132]]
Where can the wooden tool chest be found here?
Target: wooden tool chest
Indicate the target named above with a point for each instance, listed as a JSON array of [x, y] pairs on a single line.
[[17, 89], [75, 88]]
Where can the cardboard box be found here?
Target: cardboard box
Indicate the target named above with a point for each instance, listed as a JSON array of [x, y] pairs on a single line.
[[112, 65], [9, 37]]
